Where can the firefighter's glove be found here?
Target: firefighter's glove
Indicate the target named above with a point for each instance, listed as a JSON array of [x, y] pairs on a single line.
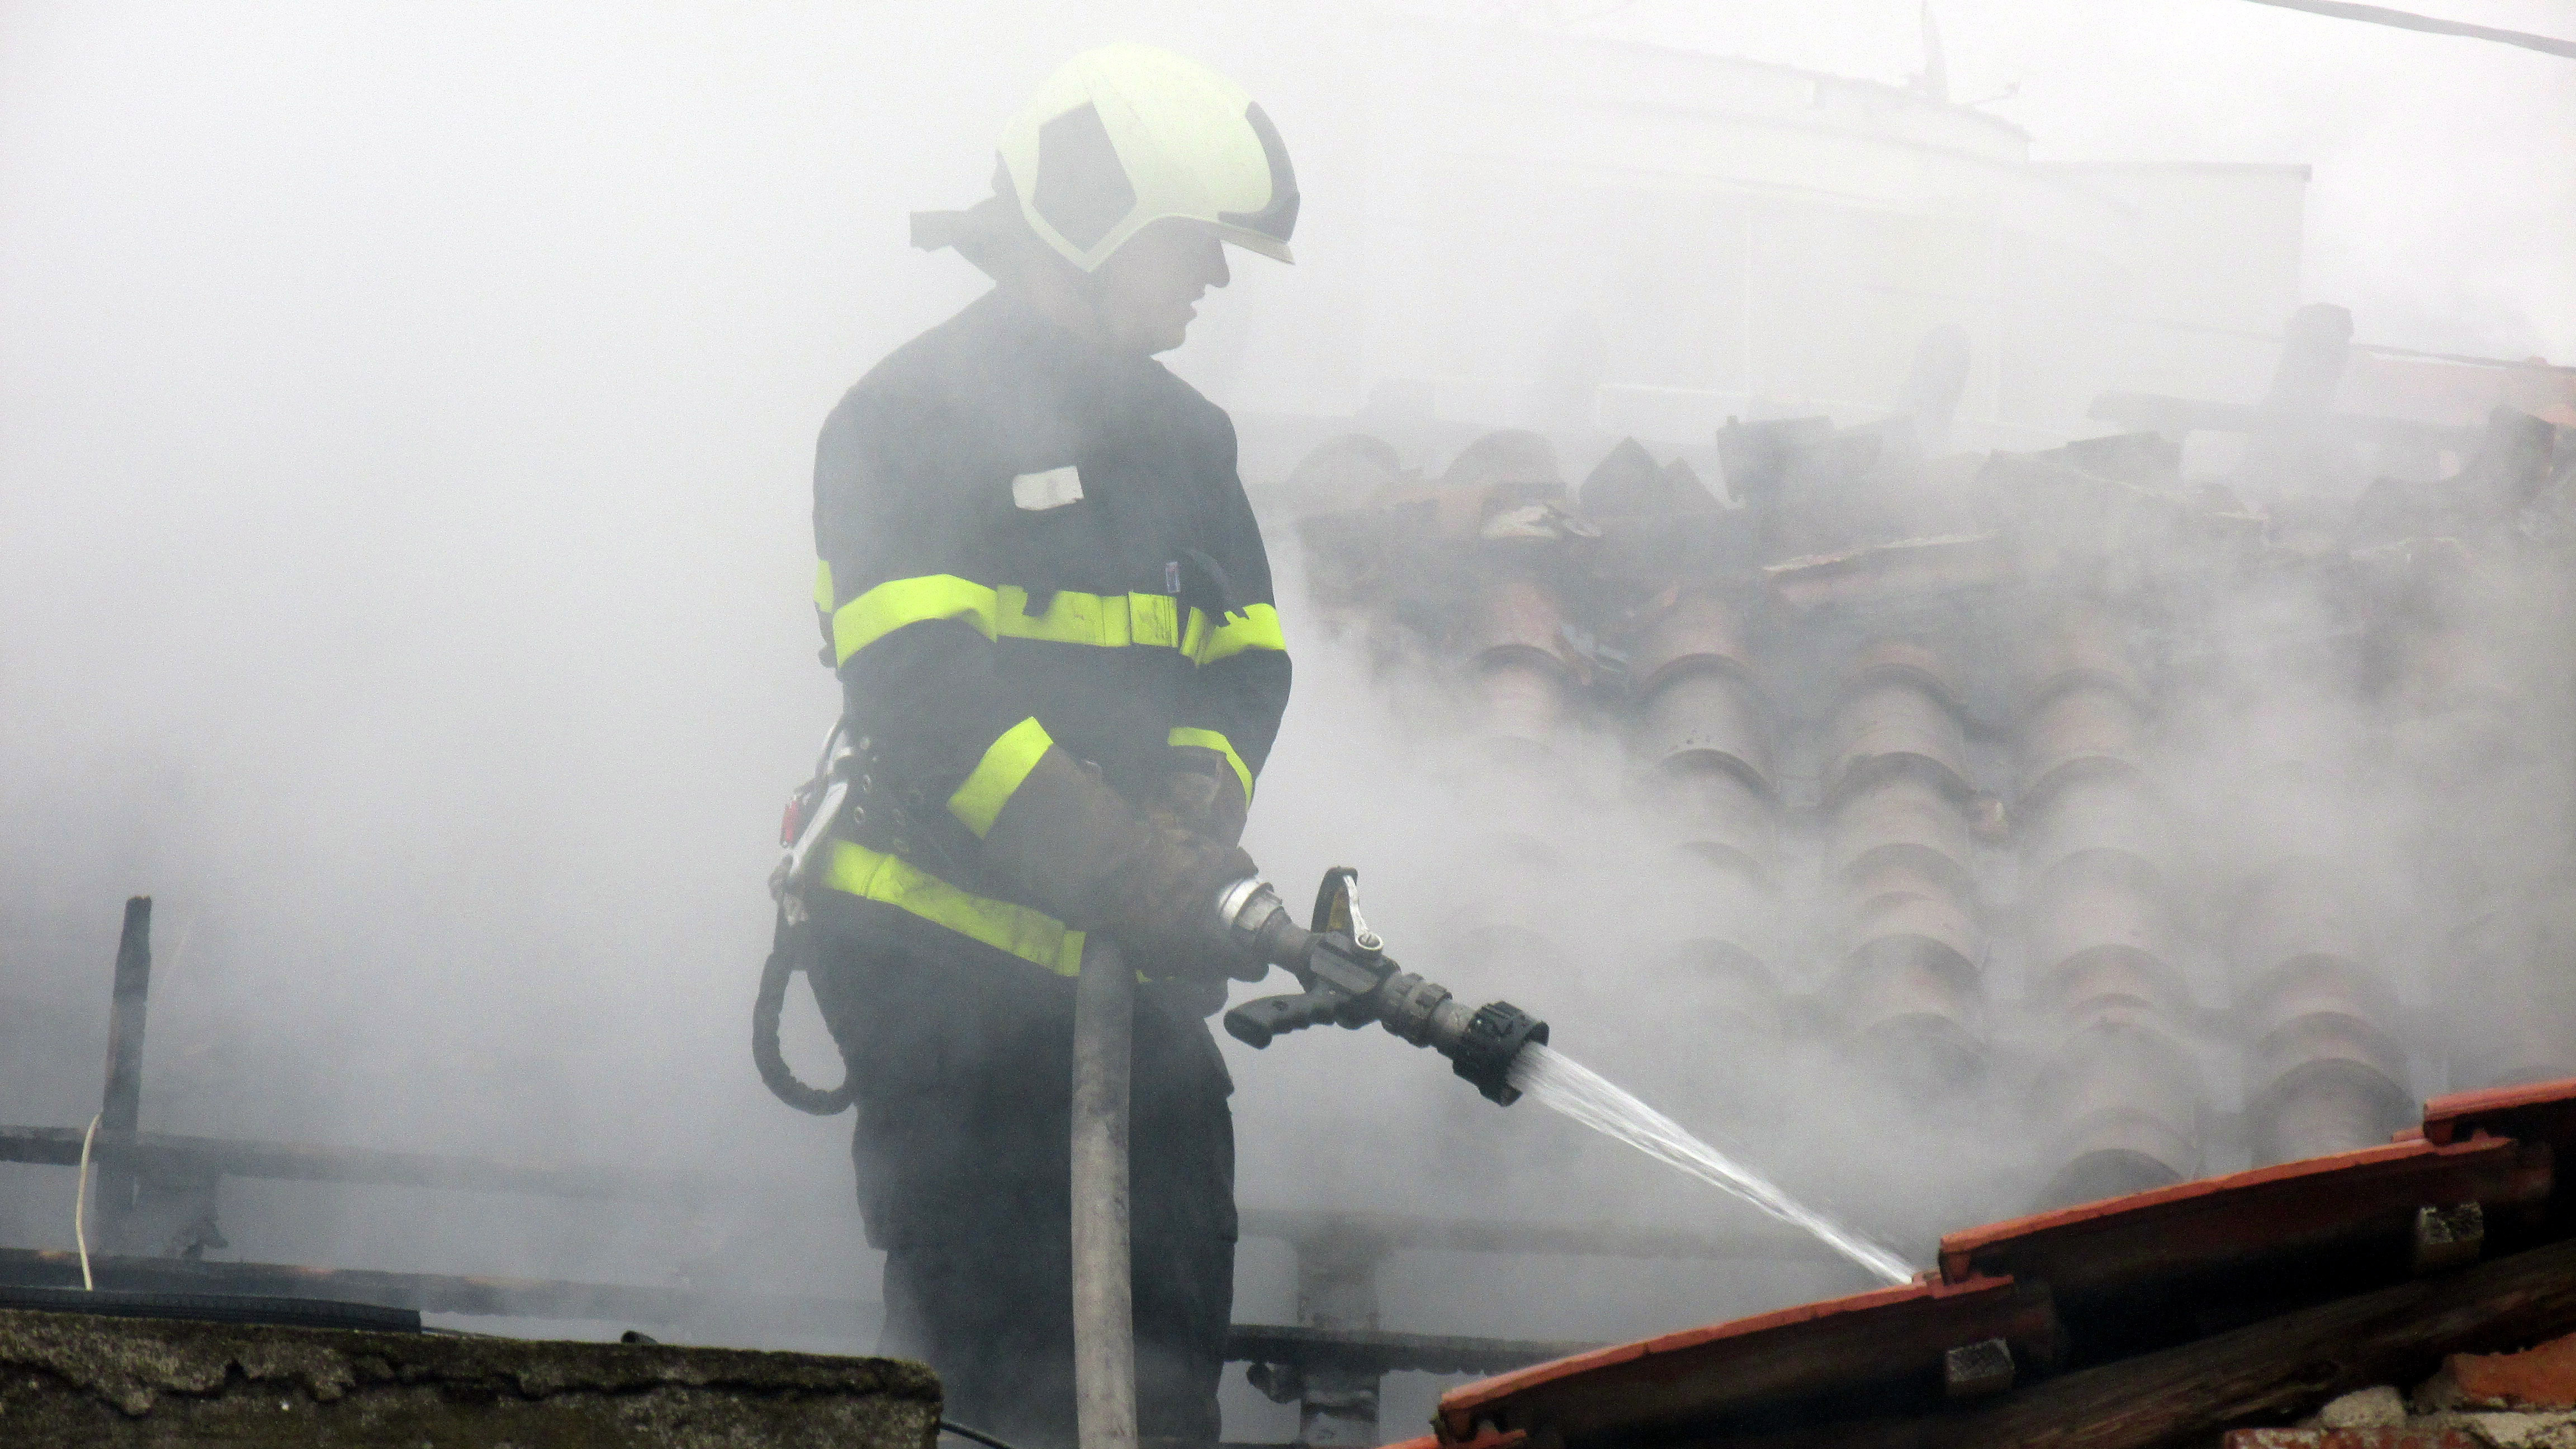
[[1162, 905], [1074, 848], [1199, 792]]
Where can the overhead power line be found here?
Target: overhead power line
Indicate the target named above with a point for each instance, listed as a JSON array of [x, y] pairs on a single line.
[[2380, 15]]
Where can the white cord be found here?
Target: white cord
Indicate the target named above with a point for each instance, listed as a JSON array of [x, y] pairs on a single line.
[[80, 1207]]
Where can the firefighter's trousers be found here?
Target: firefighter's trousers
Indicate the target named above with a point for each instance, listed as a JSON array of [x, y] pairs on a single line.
[[963, 1064]]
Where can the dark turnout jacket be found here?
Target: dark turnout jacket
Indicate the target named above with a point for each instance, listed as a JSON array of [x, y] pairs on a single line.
[[1025, 540]]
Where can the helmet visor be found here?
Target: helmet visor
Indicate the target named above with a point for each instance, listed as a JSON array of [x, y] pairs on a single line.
[[1277, 218]]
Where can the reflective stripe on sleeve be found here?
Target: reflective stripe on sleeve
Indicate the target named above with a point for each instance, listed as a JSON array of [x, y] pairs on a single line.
[[1257, 627], [990, 784], [1033, 936], [1211, 740], [823, 584], [897, 602], [1109, 621]]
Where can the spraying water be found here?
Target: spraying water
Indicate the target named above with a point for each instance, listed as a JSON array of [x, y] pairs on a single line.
[[1584, 1095]]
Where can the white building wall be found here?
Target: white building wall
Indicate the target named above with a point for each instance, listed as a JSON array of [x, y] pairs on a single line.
[[1587, 235]]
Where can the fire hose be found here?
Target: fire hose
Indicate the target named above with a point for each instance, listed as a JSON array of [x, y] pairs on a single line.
[[1345, 979], [1104, 1322]]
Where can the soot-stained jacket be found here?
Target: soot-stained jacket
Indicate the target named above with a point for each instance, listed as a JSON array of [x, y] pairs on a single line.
[[1025, 540]]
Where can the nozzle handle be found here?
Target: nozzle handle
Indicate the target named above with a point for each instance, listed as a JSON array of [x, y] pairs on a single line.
[[1254, 1023]]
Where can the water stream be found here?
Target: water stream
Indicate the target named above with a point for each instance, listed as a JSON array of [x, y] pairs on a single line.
[[1586, 1096]]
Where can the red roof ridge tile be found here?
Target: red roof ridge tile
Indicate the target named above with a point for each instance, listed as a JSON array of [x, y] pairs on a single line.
[[1467, 1397], [2554, 1102], [2209, 1192]]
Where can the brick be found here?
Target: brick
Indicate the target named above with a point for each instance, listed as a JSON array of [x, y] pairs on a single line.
[[2516, 1431], [2373, 1408], [2537, 1378]]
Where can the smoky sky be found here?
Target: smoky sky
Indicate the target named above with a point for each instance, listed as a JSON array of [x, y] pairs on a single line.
[[406, 417]]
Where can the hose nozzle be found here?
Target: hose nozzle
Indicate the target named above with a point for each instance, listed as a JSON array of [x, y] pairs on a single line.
[[1479, 1042], [1254, 918], [1350, 981]]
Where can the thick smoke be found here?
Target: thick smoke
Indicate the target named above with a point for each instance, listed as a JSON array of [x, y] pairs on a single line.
[[405, 425]]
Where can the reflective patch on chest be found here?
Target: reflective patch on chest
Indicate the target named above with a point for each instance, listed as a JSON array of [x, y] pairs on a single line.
[[1053, 488]]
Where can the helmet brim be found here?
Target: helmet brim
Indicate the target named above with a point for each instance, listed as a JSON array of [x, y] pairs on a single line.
[[1254, 241]]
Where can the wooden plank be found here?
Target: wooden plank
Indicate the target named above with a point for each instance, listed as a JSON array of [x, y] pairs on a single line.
[[481, 1295], [1749, 1236], [112, 1191], [172, 1157], [2152, 411], [1383, 1352], [471, 1294], [122, 1103], [2271, 1370]]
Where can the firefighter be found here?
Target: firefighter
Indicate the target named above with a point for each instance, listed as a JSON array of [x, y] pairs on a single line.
[[1051, 613]]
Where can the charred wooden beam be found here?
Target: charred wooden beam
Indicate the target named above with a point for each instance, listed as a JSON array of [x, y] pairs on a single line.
[[121, 1105], [121, 1102]]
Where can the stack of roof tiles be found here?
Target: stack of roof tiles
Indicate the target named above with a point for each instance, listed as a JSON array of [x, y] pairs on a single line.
[[2200, 823]]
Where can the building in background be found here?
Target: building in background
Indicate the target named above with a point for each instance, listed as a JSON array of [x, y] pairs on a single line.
[[1589, 236]]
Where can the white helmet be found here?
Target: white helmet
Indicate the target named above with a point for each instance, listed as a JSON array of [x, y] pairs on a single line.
[[1127, 135]]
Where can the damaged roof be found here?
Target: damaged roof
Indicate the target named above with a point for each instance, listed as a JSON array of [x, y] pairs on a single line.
[[2138, 1320]]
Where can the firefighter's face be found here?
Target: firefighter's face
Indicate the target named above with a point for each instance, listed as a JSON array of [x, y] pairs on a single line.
[[1146, 294]]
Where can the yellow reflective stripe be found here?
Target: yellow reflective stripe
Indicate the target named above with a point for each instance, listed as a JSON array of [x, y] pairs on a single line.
[[1154, 620], [1111, 621], [897, 602], [1033, 936], [989, 785], [1211, 740], [1256, 627], [1070, 618]]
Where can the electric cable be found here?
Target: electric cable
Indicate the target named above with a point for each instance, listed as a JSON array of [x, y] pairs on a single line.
[[2408, 20], [80, 1205], [951, 1426]]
